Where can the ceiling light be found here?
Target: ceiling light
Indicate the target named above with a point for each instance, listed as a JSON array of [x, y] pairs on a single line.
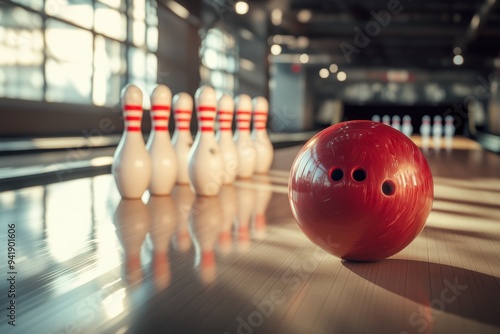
[[475, 21], [246, 34], [324, 73], [246, 64], [302, 42], [278, 39], [304, 15], [458, 60], [304, 58], [334, 68], [241, 7], [275, 49], [276, 16], [341, 76], [178, 9]]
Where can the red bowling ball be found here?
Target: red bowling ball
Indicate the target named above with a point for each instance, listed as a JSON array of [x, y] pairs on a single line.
[[361, 190]]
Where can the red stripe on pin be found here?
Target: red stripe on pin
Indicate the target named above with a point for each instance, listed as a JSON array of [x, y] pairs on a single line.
[[260, 128], [206, 118], [241, 112], [206, 108], [160, 118], [133, 128], [160, 107], [161, 128], [183, 128], [225, 120], [224, 129], [132, 118], [207, 128], [224, 112], [262, 113], [183, 111], [243, 128], [129, 107]]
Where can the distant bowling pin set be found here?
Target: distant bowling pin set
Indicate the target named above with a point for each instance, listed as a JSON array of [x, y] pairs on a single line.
[[211, 161], [426, 129]]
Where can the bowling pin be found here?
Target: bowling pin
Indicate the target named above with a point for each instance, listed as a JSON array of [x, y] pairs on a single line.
[[163, 213], [205, 219], [407, 128], [182, 139], [449, 130], [242, 137], [205, 162], [425, 131], [131, 166], [386, 119], [263, 146], [376, 118], [437, 131], [225, 113], [161, 151], [396, 122], [132, 223]]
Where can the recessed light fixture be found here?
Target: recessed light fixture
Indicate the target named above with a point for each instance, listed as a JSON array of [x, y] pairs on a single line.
[[275, 49], [334, 68], [341, 76], [304, 15], [241, 7], [276, 16], [458, 60]]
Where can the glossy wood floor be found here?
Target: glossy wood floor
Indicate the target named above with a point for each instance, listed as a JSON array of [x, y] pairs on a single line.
[[88, 262]]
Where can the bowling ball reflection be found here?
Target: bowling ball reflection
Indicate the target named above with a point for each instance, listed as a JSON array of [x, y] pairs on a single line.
[[361, 190]]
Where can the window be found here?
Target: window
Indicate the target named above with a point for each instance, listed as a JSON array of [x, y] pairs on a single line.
[[77, 51], [218, 57]]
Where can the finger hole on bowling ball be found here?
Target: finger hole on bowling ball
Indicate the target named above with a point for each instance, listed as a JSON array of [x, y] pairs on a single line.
[[388, 188], [336, 174], [359, 174]]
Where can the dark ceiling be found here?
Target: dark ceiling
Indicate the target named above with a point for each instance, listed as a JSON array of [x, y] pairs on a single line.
[[418, 34]]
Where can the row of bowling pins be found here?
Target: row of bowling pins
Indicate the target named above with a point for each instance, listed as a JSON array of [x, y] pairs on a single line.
[[406, 128], [208, 162], [437, 129], [213, 223]]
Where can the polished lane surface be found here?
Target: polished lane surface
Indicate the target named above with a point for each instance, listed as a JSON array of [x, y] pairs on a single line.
[[89, 262]]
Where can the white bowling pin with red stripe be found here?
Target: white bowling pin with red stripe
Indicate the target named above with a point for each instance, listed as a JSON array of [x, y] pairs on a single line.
[[242, 137], [262, 143], [182, 139], [161, 151], [225, 113], [131, 166], [206, 165]]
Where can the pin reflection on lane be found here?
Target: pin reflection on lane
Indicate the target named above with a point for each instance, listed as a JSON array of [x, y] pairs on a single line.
[[183, 198], [246, 202], [263, 197], [132, 222], [164, 218], [206, 221], [229, 210]]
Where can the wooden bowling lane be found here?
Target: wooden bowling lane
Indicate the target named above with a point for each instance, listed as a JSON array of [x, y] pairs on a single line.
[[89, 262]]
